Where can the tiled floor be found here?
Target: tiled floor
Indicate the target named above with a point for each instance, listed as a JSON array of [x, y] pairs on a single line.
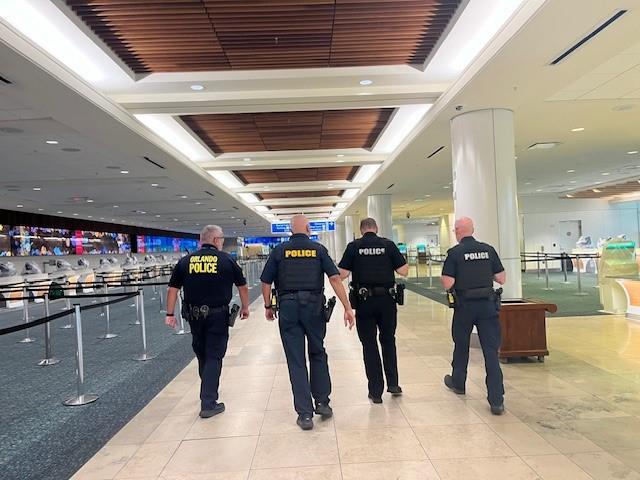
[[575, 417]]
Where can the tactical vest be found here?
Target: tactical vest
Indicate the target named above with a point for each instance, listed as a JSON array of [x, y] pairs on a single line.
[[474, 267], [372, 265], [300, 267]]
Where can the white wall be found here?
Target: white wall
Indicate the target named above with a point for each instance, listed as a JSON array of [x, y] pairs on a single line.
[[414, 234], [541, 216]]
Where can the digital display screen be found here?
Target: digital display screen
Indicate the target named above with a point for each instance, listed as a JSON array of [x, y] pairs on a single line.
[[96, 243], [40, 241], [403, 248], [154, 244], [5, 243]]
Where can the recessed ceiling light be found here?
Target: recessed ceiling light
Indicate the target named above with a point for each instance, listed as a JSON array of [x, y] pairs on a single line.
[[89, 200], [539, 190], [340, 155], [157, 216], [58, 212], [596, 190], [196, 87], [246, 159], [527, 183], [75, 214], [569, 195], [446, 186], [632, 152], [198, 203], [427, 195], [154, 184], [40, 209], [52, 142], [36, 189], [175, 219], [366, 82], [597, 183], [113, 219], [143, 212], [101, 218], [116, 206], [570, 171], [579, 129], [89, 216], [573, 181], [214, 209], [19, 206], [124, 172], [605, 173], [183, 196], [339, 161]]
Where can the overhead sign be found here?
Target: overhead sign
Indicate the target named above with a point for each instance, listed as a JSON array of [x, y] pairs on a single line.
[[316, 226]]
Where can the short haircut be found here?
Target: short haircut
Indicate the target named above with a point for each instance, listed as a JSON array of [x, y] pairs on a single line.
[[209, 232], [368, 224]]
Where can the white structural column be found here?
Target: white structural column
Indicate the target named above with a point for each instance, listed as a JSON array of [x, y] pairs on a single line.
[[398, 233], [379, 208], [339, 240], [331, 244], [447, 236], [485, 189], [351, 228]]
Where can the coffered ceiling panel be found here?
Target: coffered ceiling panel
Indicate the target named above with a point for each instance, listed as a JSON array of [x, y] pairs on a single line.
[[257, 132], [280, 195], [195, 35], [631, 187], [296, 175]]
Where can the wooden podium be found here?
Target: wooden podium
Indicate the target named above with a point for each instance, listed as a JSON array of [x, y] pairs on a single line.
[[524, 331]]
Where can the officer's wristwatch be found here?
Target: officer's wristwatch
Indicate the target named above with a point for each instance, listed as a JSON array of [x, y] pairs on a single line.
[[170, 315], [268, 307]]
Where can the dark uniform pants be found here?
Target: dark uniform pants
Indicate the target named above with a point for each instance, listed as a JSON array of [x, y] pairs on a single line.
[[373, 315], [484, 315], [301, 316], [210, 337]]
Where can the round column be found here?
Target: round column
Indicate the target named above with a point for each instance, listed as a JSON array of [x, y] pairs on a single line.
[[351, 228], [340, 240], [484, 182], [379, 208]]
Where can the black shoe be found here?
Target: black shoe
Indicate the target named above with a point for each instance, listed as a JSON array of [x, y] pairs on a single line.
[[375, 399], [324, 410], [448, 381], [305, 421], [217, 408], [395, 391], [497, 409]]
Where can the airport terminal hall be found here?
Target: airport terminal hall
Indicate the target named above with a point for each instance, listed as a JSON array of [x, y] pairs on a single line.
[[320, 239]]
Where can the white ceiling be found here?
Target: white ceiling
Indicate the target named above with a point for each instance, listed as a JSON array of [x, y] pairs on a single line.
[[511, 72]]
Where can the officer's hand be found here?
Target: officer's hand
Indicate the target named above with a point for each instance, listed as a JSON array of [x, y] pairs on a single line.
[[244, 313], [170, 321], [349, 319], [269, 314]]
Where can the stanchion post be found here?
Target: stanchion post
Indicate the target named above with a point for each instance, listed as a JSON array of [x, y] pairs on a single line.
[[107, 319], [162, 308], [137, 304], [429, 270], [80, 398], [48, 359], [546, 273], [579, 293], [178, 313], [564, 267], [538, 263], [67, 304], [25, 316], [144, 356]]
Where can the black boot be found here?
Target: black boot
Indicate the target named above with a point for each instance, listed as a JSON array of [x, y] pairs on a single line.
[[305, 421], [448, 381]]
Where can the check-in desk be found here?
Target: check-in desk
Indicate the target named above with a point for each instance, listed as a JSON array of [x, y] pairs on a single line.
[[627, 296], [524, 330]]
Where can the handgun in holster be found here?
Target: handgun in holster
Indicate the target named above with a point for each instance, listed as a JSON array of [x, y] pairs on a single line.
[[498, 298], [274, 301], [328, 308], [353, 296], [398, 293], [233, 314], [452, 298]]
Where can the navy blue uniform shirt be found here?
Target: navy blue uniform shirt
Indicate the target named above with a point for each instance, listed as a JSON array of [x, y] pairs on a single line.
[[472, 263], [297, 240], [207, 276]]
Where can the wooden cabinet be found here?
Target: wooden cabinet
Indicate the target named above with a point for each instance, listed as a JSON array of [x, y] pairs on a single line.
[[524, 332]]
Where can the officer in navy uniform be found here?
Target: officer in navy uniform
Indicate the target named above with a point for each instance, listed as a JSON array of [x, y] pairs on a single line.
[[208, 276], [470, 269], [297, 267], [372, 261]]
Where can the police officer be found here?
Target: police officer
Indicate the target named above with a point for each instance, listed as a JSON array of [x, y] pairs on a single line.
[[470, 269], [207, 277], [297, 267], [372, 261]]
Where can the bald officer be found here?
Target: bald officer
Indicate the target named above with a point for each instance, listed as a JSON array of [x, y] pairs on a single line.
[[208, 276], [470, 269], [372, 261], [298, 267]]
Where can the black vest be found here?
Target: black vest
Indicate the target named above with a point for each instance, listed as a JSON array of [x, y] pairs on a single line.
[[300, 267], [372, 264], [474, 265]]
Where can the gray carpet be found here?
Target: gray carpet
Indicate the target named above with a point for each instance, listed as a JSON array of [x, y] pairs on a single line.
[[42, 439]]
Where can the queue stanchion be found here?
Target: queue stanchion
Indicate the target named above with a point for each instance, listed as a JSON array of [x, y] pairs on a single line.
[[137, 305], [564, 268], [48, 359], [67, 304], [107, 319], [579, 293], [178, 313], [546, 273], [429, 263], [144, 356], [538, 263], [162, 307], [25, 316], [81, 398]]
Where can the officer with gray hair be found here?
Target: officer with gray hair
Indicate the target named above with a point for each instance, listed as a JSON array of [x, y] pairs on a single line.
[[207, 277]]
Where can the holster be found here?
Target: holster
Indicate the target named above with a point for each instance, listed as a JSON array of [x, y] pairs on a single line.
[[353, 296], [274, 301], [328, 308], [398, 293], [233, 314], [452, 298]]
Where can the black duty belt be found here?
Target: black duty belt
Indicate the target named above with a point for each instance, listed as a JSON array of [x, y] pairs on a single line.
[[203, 311], [295, 292], [374, 290], [483, 293]]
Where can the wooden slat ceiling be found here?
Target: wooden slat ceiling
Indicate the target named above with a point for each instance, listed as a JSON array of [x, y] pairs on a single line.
[[259, 132], [279, 195], [629, 187], [199, 35], [326, 174]]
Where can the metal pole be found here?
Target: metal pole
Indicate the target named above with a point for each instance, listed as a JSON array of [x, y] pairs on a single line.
[[580, 293], [144, 356], [564, 267], [137, 304], [25, 316], [178, 313], [67, 304], [538, 262], [430, 287], [546, 273], [48, 358], [162, 307], [107, 319], [81, 398]]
